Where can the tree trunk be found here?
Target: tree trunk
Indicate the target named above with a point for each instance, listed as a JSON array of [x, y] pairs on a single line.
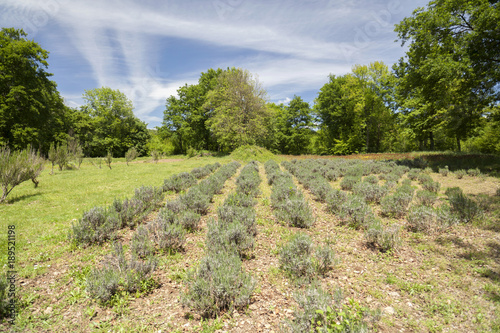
[[431, 138], [459, 147]]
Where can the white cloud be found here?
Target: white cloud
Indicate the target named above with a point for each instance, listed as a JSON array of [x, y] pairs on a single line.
[[291, 45]]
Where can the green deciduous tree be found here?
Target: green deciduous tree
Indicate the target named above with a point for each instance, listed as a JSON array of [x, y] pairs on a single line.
[[293, 126], [185, 117], [108, 124], [449, 74], [17, 167], [31, 110], [237, 109]]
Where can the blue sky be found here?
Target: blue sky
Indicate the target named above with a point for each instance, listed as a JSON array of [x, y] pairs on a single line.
[[148, 49]]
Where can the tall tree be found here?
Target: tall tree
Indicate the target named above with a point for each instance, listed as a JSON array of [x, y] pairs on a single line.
[[293, 127], [31, 110], [185, 117], [114, 128], [237, 108], [451, 68]]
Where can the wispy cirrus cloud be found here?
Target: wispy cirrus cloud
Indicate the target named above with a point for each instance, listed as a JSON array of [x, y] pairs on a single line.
[[148, 49]]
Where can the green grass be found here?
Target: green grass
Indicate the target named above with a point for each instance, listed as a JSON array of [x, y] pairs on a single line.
[[43, 216]]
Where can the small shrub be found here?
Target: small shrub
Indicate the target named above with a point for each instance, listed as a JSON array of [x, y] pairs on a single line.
[[141, 245], [421, 218], [296, 212], [168, 237], [355, 212], [175, 206], [426, 198], [466, 208], [4, 299], [131, 155], [396, 205], [109, 159], [474, 172], [325, 259], [348, 182], [413, 174], [444, 171], [460, 173], [296, 257], [431, 186], [387, 238], [424, 178], [229, 237], [195, 200], [239, 200], [96, 226], [372, 179], [320, 189], [189, 220], [445, 218], [218, 284], [331, 175], [334, 200], [118, 274], [245, 215], [370, 192], [179, 182], [191, 152]]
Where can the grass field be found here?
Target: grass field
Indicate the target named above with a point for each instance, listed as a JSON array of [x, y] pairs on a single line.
[[445, 281]]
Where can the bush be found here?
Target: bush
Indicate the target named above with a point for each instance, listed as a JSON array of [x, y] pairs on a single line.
[[245, 215], [131, 155], [334, 200], [118, 274], [296, 257], [426, 198], [239, 200], [396, 205], [227, 237], [295, 212], [331, 175], [4, 299], [387, 238], [460, 173], [325, 259], [320, 314], [413, 174], [355, 212], [370, 192], [444, 171], [96, 226], [348, 182], [218, 284], [474, 172], [195, 200], [141, 245], [431, 186], [188, 220], [372, 179], [169, 237], [464, 207], [421, 218], [179, 182], [17, 167]]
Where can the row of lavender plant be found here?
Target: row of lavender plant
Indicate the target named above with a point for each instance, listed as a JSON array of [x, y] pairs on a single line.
[[219, 283]]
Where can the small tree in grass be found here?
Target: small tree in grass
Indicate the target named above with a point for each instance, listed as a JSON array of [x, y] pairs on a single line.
[[109, 159], [62, 156], [131, 154], [17, 167]]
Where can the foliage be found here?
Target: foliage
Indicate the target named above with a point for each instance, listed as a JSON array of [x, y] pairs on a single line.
[[466, 208], [17, 167], [355, 212], [131, 155], [386, 237], [118, 274], [237, 108], [4, 299], [111, 124], [96, 226], [31, 110], [248, 153], [218, 284]]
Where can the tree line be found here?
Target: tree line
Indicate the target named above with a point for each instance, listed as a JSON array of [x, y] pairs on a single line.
[[442, 95]]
